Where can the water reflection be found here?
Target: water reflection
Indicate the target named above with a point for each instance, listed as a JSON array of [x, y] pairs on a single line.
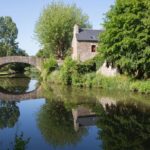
[[56, 124], [72, 118], [9, 114], [19, 143], [13, 85], [125, 126], [83, 117], [22, 89]]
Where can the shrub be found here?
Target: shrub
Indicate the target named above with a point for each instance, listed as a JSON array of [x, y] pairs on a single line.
[[86, 67], [50, 64], [90, 65], [141, 86], [54, 77], [68, 69]]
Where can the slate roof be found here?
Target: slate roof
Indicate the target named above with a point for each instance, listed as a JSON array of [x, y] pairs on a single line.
[[88, 35]]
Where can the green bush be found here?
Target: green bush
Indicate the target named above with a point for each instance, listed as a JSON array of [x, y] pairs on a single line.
[[50, 64], [90, 65], [68, 69], [141, 86], [54, 77]]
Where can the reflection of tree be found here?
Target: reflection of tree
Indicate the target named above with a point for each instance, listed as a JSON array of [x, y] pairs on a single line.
[[9, 114], [56, 124], [13, 85], [20, 143], [125, 127]]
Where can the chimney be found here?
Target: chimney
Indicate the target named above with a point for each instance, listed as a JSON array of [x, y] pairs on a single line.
[[76, 29]]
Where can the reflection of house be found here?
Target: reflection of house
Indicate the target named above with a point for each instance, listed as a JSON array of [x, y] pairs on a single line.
[[84, 43], [83, 116]]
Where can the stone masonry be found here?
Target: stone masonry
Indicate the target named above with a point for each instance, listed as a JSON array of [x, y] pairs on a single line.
[[34, 61], [82, 42]]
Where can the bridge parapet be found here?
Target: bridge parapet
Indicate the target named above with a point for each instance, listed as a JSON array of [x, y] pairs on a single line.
[[32, 60]]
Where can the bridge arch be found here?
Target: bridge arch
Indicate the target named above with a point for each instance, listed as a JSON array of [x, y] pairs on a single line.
[[31, 60], [37, 93]]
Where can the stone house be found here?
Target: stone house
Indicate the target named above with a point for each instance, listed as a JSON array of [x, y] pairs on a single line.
[[84, 47], [84, 43]]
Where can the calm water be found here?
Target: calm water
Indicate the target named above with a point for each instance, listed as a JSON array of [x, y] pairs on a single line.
[[48, 117]]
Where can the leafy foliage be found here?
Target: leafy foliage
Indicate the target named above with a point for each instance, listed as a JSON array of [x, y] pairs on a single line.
[[67, 71], [8, 35], [125, 41], [140, 86], [50, 64], [54, 29]]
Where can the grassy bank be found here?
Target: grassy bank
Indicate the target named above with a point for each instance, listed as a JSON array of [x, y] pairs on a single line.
[[84, 75], [91, 80]]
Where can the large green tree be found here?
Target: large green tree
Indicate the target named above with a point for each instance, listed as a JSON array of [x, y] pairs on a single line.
[[8, 35], [125, 41], [54, 29]]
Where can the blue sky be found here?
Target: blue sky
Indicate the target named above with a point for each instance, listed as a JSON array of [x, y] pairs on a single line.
[[25, 13]]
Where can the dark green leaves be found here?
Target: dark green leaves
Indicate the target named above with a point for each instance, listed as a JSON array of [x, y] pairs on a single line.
[[126, 38], [8, 35]]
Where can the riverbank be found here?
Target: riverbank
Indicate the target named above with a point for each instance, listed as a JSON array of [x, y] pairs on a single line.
[[94, 80], [84, 75]]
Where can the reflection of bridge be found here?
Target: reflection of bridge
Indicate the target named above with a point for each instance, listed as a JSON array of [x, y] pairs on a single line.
[[26, 96], [34, 61]]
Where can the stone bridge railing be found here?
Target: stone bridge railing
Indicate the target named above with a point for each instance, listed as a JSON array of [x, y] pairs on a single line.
[[34, 61]]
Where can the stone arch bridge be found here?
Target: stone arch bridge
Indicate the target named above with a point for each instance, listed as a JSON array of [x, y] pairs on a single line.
[[32, 60]]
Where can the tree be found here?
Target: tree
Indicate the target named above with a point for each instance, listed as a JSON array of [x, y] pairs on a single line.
[[125, 41], [8, 35], [54, 28]]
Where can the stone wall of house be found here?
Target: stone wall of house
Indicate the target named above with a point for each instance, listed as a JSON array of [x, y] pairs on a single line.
[[108, 71], [75, 42], [84, 51], [81, 51], [74, 48]]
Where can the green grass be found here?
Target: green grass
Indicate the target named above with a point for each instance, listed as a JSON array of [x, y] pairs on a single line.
[[93, 80], [141, 86]]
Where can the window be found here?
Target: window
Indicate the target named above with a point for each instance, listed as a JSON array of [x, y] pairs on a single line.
[[93, 48]]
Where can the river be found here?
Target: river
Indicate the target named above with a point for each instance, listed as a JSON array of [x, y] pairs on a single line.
[[37, 116]]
